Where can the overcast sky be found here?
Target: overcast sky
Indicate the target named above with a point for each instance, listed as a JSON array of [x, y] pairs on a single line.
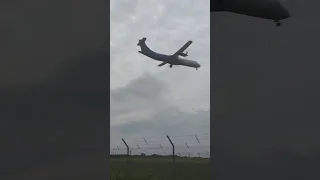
[[147, 100]]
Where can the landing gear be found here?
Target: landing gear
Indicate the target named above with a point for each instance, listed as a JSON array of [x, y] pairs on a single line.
[[171, 65], [278, 23], [196, 68]]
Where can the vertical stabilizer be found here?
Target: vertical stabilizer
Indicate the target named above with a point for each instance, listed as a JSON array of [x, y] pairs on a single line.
[[143, 46]]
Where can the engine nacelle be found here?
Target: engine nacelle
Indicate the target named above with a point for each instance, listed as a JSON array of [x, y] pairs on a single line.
[[184, 54]]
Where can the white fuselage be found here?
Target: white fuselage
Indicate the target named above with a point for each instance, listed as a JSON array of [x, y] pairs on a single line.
[[172, 60], [186, 62]]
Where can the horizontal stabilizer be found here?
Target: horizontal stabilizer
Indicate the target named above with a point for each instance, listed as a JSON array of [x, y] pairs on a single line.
[[162, 64]]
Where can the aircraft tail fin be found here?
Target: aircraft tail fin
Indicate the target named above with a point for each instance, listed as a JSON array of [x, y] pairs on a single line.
[[142, 41], [143, 46]]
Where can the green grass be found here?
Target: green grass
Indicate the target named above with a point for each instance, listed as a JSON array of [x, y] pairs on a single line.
[[159, 168]]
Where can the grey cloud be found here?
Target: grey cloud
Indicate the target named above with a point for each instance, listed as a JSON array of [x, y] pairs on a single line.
[[145, 94], [171, 121], [145, 87]]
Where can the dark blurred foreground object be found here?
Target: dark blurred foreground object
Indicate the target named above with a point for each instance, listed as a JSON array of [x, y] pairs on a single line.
[[265, 9]]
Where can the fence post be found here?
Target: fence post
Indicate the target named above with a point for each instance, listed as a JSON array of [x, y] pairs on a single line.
[[197, 138], [127, 173], [145, 141], [173, 158], [126, 146]]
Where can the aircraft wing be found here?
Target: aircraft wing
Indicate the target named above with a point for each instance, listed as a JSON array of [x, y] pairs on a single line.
[[184, 47]]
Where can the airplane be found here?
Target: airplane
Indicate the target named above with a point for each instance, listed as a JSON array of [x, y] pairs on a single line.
[[173, 59], [265, 9]]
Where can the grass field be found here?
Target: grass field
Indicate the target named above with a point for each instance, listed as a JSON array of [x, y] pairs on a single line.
[[159, 168]]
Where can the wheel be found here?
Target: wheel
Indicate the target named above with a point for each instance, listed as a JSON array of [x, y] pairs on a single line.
[[278, 23], [170, 65]]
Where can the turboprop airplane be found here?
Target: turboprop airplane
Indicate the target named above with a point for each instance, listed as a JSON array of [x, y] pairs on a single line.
[[168, 59], [265, 9]]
